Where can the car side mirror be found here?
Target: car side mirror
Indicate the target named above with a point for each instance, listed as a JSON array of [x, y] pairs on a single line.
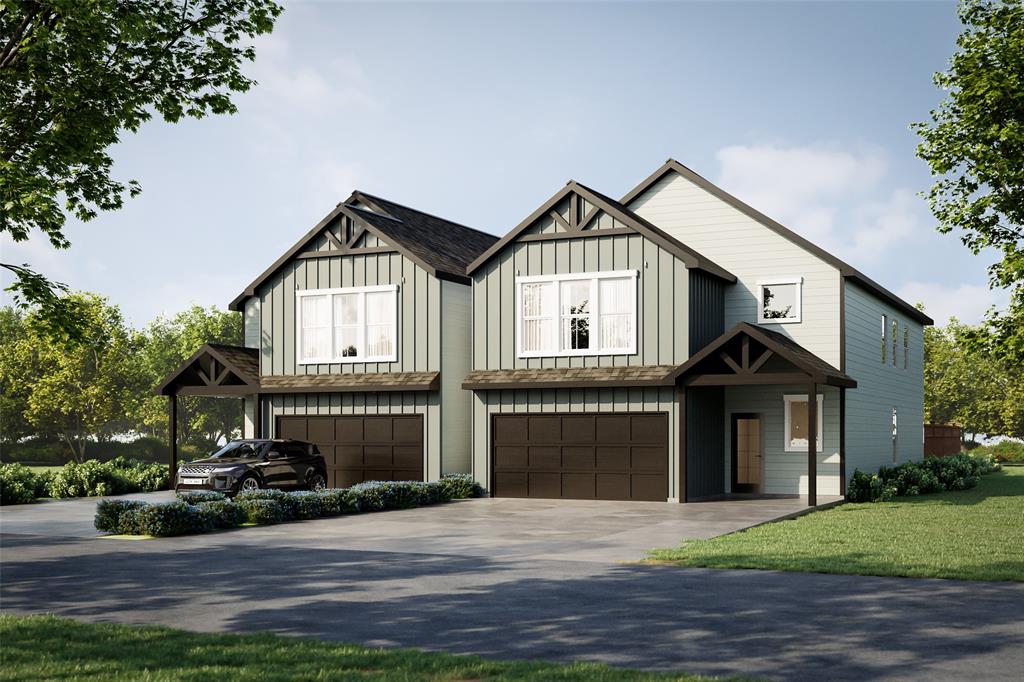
[[274, 454]]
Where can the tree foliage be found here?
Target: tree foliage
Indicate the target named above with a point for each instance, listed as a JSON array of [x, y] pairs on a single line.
[[74, 76], [974, 145], [968, 386]]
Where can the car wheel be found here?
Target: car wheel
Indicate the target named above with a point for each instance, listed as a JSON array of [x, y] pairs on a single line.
[[248, 484], [317, 482]]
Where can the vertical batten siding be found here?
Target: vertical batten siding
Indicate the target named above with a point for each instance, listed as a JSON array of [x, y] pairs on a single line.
[[662, 298], [419, 317], [785, 473], [488, 403], [705, 446], [251, 322], [880, 387], [340, 404], [707, 309], [455, 361], [750, 251]]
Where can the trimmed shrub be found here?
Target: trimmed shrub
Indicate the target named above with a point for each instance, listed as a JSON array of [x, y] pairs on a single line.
[[933, 474], [109, 513], [284, 498], [1004, 451], [864, 487], [88, 479], [18, 484], [306, 503], [263, 511], [162, 520], [216, 515], [201, 496], [335, 501], [460, 486]]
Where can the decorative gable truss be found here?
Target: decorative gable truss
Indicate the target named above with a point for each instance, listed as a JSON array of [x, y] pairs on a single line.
[[343, 237], [573, 217]]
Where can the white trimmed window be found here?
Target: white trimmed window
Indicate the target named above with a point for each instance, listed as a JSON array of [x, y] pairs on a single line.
[[796, 423], [357, 324], [578, 314], [778, 300]]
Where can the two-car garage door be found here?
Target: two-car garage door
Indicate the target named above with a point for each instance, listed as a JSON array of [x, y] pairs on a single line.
[[620, 456], [362, 448]]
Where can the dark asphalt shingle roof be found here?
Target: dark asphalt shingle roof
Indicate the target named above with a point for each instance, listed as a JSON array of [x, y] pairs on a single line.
[[637, 375]]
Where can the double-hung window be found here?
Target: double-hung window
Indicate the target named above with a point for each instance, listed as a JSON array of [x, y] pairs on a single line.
[[357, 324], [577, 314]]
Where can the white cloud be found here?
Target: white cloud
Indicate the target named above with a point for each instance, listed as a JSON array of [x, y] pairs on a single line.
[[966, 302], [834, 197]]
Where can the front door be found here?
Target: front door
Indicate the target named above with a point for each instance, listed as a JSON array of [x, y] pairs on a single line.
[[747, 471]]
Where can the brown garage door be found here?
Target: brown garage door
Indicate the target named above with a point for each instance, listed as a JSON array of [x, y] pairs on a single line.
[[365, 448], [620, 456]]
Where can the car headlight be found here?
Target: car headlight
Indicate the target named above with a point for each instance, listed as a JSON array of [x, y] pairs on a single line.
[[227, 470]]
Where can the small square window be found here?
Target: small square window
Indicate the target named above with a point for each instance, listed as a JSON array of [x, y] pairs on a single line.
[[778, 300], [796, 426]]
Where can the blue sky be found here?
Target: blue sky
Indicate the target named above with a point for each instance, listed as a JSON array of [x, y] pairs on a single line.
[[479, 112]]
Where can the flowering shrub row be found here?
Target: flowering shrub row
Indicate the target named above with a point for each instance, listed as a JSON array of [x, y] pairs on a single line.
[[201, 511]]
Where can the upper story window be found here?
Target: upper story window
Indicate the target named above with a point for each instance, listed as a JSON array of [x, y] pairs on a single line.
[[357, 324], [885, 330], [895, 335], [578, 314], [778, 300], [906, 346]]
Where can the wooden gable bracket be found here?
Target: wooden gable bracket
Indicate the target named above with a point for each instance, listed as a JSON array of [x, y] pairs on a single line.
[[744, 366], [214, 378], [341, 249]]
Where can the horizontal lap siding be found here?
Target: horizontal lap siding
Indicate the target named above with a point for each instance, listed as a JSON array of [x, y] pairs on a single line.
[[338, 404], [488, 403], [750, 251], [880, 387], [785, 473], [662, 332]]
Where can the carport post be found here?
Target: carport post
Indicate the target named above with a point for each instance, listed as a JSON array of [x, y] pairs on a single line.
[[173, 437], [257, 417], [812, 446]]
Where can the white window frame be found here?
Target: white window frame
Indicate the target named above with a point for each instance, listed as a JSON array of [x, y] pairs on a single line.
[[595, 312], [361, 291], [762, 283], [819, 440]]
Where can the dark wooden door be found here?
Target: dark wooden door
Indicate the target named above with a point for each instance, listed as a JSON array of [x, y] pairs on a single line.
[[610, 456], [747, 453], [386, 447]]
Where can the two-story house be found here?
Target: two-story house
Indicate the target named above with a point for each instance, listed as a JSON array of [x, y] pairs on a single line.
[[356, 339], [672, 345]]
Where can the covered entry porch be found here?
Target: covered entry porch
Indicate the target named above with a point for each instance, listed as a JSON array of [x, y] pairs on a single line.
[[761, 415]]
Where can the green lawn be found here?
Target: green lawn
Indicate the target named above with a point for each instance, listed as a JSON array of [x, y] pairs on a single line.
[[973, 534], [49, 648], [40, 469]]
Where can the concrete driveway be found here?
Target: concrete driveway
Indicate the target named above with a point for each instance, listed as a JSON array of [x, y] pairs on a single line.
[[519, 579]]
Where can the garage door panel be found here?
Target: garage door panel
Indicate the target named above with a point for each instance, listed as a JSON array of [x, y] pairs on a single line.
[[352, 458], [612, 428], [648, 458], [648, 487], [319, 431], [617, 456], [510, 430], [513, 457], [545, 429], [578, 457], [545, 457], [578, 429], [578, 486], [613, 458], [542, 484], [612, 486], [512, 484]]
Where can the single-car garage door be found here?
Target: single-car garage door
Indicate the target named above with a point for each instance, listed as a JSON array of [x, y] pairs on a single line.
[[363, 448], [615, 456]]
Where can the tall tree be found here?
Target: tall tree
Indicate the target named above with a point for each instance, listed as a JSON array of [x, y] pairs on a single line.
[[169, 341], [13, 393], [82, 391], [974, 145], [76, 74]]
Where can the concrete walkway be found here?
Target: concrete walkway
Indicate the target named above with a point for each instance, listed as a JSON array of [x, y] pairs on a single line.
[[500, 578]]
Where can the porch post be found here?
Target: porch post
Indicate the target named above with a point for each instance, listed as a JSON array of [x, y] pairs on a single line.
[[257, 416], [173, 437], [842, 440], [812, 445], [681, 406]]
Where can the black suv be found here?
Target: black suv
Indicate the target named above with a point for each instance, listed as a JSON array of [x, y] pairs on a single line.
[[252, 464]]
